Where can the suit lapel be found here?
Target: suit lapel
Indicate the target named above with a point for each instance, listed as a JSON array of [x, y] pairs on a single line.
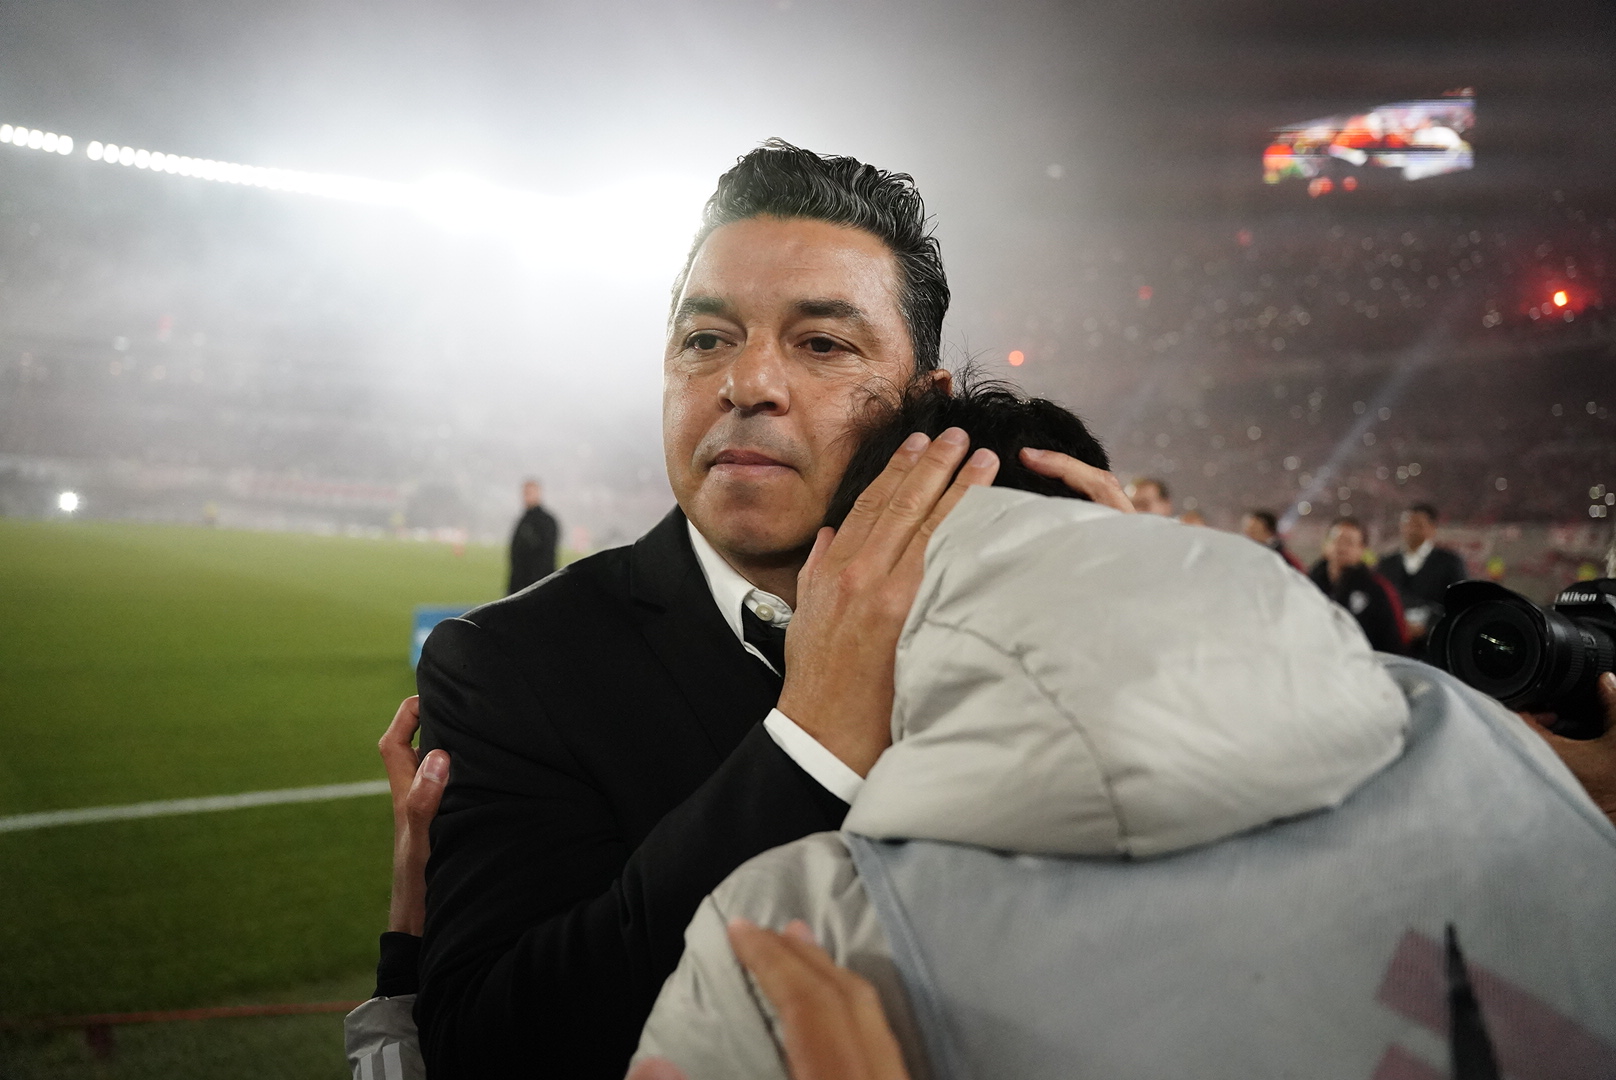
[[726, 688]]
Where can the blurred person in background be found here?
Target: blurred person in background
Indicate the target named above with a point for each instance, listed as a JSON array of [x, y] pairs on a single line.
[[1149, 496], [1421, 572], [1346, 579], [1193, 517], [534, 543], [1263, 527]]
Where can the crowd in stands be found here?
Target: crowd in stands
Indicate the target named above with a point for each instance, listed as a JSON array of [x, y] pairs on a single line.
[[1316, 364]]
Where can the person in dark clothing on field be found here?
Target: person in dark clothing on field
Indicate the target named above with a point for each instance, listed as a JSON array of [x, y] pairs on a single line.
[[533, 544], [1342, 575], [1421, 572]]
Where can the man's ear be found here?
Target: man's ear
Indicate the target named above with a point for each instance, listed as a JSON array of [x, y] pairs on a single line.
[[943, 378]]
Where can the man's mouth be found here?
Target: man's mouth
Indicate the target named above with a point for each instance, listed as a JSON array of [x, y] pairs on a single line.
[[746, 460]]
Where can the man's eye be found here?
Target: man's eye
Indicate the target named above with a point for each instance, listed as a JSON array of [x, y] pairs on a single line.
[[704, 342], [823, 345]]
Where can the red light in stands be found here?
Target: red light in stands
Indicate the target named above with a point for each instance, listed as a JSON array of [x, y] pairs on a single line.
[[1017, 358]]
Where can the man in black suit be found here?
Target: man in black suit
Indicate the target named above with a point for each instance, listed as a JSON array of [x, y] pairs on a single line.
[[1347, 580], [534, 541], [1421, 572], [637, 726]]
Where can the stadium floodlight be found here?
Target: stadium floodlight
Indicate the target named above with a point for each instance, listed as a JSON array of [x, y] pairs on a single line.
[[67, 502], [35, 139], [650, 218], [346, 188]]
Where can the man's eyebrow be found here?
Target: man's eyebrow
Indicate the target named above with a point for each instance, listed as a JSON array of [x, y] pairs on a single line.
[[814, 309], [699, 305], [833, 309]]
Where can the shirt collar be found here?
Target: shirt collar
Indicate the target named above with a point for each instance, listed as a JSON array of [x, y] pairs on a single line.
[[1422, 551], [731, 592]]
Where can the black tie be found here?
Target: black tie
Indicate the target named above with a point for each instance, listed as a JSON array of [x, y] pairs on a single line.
[[766, 638]]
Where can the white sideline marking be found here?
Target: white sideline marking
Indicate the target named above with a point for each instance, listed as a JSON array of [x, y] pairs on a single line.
[[49, 818]]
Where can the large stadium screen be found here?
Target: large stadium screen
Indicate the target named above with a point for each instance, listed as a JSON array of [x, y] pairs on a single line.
[[1419, 139]]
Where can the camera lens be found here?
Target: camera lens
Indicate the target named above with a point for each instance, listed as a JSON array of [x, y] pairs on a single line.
[[1499, 650], [1545, 660]]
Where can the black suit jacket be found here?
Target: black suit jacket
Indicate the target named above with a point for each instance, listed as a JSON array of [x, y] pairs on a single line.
[[1424, 589], [609, 768], [1371, 600], [533, 548]]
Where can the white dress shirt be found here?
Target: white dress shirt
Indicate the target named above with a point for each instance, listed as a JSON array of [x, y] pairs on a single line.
[[731, 592], [1413, 560]]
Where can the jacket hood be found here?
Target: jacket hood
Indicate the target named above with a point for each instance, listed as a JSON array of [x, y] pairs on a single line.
[[1076, 681]]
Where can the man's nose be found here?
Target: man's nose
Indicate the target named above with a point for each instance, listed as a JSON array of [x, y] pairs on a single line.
[[756, 381]]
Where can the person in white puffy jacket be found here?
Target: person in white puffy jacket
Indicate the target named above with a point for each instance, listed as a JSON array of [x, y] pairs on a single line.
[[1153, 807]]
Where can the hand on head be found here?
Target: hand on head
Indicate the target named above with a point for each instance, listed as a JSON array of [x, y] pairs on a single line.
[[1099, 485], [855, 590]]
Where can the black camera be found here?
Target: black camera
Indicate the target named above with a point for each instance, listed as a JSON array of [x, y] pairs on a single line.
[[1532, 659]]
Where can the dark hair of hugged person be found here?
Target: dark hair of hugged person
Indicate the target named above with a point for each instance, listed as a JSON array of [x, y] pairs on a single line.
[[996, 417], [784, 181]]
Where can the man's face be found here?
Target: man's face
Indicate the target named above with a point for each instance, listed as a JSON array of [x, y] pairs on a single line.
[[1147, 499], [1417, 528], [781, 331], [531, 495], [1256, 528], [1344, 546]]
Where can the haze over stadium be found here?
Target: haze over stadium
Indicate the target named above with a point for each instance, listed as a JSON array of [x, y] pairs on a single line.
[[353, 270], [405, 345]]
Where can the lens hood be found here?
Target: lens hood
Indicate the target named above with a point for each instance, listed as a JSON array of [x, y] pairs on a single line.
[[1530, 658]]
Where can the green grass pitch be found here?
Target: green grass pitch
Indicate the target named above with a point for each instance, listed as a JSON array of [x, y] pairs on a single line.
[[142, 662]]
